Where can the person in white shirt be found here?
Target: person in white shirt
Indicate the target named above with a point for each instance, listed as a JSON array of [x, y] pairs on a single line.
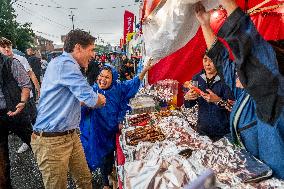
[[24, 147], [8, 52]]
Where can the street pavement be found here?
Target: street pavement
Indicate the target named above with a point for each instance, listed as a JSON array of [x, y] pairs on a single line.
[[25, 173]]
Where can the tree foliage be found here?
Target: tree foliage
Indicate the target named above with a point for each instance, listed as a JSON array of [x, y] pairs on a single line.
[[21, 35]]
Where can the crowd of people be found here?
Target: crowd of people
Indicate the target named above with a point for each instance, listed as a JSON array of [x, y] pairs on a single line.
[[79, 89], [126, 67], [51, 131]]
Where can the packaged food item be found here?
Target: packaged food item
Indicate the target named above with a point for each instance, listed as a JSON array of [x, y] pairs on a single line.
[[142, 103], [163, 113], [139, 119], [144, 134]]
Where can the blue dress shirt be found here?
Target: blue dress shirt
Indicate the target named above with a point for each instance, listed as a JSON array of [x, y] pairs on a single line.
[[63, 88]]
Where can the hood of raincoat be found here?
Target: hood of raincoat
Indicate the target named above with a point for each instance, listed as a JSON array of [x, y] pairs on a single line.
[[114, 73]]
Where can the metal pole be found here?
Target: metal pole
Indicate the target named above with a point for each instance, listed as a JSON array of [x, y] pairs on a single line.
[[72, 19]]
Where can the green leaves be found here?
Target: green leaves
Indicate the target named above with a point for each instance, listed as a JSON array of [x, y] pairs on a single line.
[[21, 35]]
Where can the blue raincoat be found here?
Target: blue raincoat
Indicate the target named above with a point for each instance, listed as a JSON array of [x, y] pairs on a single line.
[[257, 118], [99, 126]]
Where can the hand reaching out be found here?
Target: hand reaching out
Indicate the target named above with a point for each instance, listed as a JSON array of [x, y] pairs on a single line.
[[19, 108], [202, 16], [149, 65]]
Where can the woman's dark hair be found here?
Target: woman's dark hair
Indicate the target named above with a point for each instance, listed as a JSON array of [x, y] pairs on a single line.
[[77, 37], [106, 68]]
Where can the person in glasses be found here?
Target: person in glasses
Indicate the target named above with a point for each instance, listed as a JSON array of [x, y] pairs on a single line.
[[100, 126]]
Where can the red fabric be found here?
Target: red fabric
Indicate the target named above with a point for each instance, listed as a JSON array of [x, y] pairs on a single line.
[[187, 61], [119, 152], [182, 64], [120, 157], [270, 24], [253, 3], [128, 24], [148, 7]]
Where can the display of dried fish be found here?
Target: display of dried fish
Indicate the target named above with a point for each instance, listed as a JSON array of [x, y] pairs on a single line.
[[191, 115], [144, 134], [155, 154], [232, 165], [178, 130], [139, 119]]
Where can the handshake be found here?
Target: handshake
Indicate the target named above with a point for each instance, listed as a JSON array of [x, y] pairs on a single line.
[[100, 102]]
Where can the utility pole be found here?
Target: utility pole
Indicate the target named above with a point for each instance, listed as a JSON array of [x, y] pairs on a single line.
[[72, 19]]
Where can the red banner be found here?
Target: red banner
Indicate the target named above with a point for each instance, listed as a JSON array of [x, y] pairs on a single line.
[[128, 24]]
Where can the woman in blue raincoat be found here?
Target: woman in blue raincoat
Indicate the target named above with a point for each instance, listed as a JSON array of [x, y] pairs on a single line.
[[99, 126], [257, 118]]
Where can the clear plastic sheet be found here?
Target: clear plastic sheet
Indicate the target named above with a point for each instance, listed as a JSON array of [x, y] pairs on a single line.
[[171, 27]]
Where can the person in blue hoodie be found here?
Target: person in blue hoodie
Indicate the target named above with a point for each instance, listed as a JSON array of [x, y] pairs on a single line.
[[99, 126], [213, 119], [257, 118]]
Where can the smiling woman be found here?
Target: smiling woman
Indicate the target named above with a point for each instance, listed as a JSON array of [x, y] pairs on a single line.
[[105, 78]]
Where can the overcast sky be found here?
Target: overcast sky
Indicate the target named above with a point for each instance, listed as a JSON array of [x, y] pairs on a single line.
[[51, 22]]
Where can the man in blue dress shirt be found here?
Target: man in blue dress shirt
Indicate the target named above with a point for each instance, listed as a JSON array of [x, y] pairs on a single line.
[[55, 142]]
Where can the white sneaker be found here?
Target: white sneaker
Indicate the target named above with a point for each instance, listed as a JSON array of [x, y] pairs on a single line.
[[23, 148]]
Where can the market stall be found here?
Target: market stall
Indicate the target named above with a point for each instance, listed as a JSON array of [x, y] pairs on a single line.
[[159, 148]]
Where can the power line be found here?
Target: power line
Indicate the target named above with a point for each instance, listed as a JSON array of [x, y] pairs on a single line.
[[97, 20], [42, 5], [61, 7], [41, 17], [47, 34]]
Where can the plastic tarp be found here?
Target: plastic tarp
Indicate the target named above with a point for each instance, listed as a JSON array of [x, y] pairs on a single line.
[[171, 27]]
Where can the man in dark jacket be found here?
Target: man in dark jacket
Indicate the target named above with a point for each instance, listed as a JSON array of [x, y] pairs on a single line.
[[14, 114], [35, 64], [93, 71], [213, 119]]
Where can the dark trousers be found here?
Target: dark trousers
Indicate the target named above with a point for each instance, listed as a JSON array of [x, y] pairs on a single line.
[[107, 167], [23, 131]]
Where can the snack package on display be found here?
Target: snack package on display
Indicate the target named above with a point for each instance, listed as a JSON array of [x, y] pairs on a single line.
[[167, 90], [142, 103], [171, 27]]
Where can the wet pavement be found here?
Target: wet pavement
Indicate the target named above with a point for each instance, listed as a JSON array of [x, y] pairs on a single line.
[[25, 173]]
